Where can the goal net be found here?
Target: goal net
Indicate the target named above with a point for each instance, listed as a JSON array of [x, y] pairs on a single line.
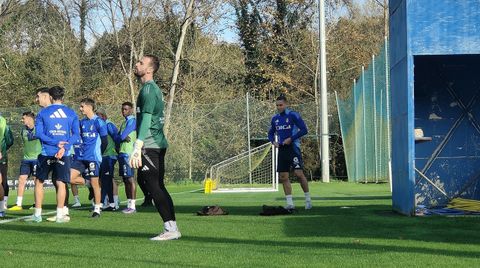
[[247, 172]]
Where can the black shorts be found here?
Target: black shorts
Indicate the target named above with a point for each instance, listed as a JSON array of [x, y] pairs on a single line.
[[153, 165], [29, 167], [289, 156], [59, 167], [88, 169], [4, 171]]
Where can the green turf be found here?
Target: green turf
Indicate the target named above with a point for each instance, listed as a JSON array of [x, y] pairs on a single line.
[[364, 233]]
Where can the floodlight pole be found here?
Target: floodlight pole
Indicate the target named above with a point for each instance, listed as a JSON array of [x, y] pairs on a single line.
[[323, 94]]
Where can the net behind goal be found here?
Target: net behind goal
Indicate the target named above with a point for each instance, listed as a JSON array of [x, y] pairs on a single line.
[[247, 172]]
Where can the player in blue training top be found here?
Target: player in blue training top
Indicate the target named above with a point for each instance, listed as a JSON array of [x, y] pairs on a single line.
[[57, 128], [287, 127], [94, 134], [108, 163], [125, 139]]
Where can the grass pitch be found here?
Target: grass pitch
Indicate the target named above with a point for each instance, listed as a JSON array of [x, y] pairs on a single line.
[[351, 225]]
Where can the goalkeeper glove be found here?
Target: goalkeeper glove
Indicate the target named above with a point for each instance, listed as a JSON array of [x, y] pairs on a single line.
[[135, 159]]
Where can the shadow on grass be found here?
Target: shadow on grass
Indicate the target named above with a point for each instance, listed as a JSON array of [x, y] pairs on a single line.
[[379, 222], [236, 241], [330, 245]]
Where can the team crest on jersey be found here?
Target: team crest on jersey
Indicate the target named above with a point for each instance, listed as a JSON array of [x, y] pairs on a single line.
[[286, 120], [58, 126]]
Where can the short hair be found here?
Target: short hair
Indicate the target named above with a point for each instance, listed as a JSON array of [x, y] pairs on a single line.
[[90, 102], [56, 92], [42, 90], [282, 97], [101, 111], [154, 62], [127, 103], [29, 114]]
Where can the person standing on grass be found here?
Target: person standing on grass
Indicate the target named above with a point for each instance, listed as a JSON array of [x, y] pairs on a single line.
[[57, 128], [31, 149], [94, 136], [287, 127], [6, 141], [109, 158], [126, 137], [151, 145], [42, 98]]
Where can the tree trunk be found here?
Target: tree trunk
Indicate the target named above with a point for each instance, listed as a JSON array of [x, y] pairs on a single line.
[[173, 84]]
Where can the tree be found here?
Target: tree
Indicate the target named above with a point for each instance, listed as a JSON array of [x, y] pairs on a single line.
[[38, 48]]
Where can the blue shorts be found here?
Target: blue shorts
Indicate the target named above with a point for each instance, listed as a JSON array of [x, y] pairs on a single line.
[[29, 168], [124, 169], [108, 166], [87, 168], [59, 167], [289, 157]]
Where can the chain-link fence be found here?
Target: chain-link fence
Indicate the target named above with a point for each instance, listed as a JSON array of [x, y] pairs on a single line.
[[201, 135], [365, 123]]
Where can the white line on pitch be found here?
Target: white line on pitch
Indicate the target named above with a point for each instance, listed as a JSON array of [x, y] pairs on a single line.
[[53, 212]]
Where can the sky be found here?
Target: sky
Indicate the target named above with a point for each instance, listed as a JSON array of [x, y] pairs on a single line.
[[224, 28]]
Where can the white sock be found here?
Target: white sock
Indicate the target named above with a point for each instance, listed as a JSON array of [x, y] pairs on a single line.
[[97, 208], [76, 198], [105, 200], [129, 201], [112, 205], [38, 212], [307, 197], [59, 213], [170, 226], [66, 211], [2, 205], [19, 201], [115, 199], [132, 204], [289, 200]]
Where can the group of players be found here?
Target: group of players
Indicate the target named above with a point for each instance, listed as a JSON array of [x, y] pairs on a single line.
[[83, 152], [59, 146]]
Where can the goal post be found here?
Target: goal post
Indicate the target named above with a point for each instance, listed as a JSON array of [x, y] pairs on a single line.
[[247, 172]]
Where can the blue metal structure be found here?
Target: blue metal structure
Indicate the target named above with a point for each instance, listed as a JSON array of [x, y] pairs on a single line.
[[435, 87]]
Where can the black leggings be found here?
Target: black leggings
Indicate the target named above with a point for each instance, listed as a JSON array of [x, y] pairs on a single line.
[[151, 174], [146, 194], [4, 171]]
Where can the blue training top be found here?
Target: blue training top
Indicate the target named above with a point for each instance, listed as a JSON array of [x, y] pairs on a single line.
[[92, 132], [56, 123], [130, 126], [288, 124]]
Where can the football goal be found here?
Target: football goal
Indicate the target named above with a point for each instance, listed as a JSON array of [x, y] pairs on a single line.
[[253, 171]]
